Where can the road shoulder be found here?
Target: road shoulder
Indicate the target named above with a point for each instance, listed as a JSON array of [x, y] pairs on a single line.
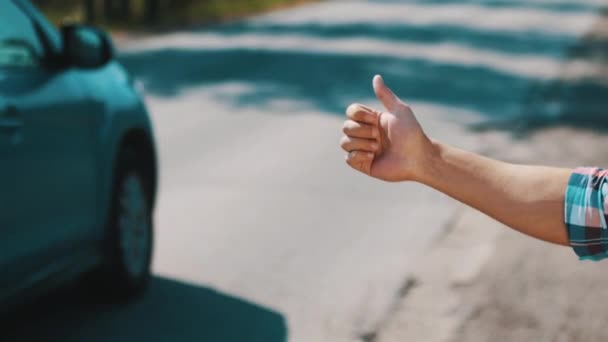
[[436, 307]]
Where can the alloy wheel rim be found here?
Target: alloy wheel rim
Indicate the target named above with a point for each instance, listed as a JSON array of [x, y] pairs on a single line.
[[134, 225]]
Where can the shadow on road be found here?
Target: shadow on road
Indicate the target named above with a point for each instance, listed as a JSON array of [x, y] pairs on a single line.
[[510, 42], [169, 311], [330, 80], [327, 81], [578, 101]]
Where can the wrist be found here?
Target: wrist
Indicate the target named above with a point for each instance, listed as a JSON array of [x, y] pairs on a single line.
[[429, 162]]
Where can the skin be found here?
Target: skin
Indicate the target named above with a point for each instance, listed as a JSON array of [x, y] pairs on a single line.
[[391, 145]]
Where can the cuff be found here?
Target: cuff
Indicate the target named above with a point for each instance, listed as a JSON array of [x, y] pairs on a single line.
[[584, 213]]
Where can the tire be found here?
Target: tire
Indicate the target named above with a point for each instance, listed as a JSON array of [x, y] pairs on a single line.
[[128, 240]]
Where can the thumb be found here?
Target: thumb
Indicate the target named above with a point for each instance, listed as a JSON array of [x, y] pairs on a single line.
[[385, 95]]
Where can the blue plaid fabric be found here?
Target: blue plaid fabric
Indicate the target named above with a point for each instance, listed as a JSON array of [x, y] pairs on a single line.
[[585, 213]]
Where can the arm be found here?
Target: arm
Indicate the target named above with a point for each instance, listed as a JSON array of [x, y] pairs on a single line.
[[392, 146], [529, 199]]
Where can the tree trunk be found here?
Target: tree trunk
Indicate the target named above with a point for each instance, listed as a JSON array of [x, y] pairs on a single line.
[[125, 10], [108, 10], [89, 11], [117, 10], [152, 9]]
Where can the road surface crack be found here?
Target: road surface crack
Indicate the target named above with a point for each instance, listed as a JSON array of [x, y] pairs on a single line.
[[404, 290]]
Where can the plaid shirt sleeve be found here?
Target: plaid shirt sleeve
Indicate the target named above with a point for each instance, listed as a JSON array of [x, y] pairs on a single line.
[[586, 209]]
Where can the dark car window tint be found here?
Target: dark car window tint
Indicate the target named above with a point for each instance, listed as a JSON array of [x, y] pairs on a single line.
[[19, 44]]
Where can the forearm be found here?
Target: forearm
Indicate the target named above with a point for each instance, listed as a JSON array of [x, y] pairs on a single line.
[[529, 199], [563, 206]]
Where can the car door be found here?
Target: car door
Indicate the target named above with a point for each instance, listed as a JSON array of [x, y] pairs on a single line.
[[47, 159]]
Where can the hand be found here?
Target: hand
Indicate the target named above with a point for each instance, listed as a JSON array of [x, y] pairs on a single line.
[[386, 145]]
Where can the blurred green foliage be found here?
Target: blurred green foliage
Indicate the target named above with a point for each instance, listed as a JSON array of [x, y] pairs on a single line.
[[154, 13]]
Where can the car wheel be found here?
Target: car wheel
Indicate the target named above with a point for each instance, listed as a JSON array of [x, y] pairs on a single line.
[[129, 231]]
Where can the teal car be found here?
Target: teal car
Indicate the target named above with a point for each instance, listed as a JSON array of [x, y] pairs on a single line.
[[78, 169]]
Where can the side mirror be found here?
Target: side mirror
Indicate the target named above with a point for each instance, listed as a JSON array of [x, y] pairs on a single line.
[[86, 47]]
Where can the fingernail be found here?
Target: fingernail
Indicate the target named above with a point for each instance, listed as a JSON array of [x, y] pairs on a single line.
[[370, 155], [374, 133], [374, 146]]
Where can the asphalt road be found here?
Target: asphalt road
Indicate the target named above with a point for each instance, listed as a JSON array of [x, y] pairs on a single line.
[[256, 200], [256, 204]]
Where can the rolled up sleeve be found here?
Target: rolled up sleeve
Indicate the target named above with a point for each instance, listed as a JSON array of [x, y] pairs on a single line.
[[585, 213]]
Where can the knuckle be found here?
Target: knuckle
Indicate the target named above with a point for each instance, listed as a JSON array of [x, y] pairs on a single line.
[[370, 131], [373, 146], [352, 109], [345, 127], [344, 141], [348, 126], [361, 116], [352, 164], [349, 160]]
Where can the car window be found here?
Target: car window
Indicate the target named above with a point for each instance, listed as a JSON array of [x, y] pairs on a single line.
[[19, 43]]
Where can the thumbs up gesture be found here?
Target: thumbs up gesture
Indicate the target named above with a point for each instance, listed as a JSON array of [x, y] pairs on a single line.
[[389, 145]]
